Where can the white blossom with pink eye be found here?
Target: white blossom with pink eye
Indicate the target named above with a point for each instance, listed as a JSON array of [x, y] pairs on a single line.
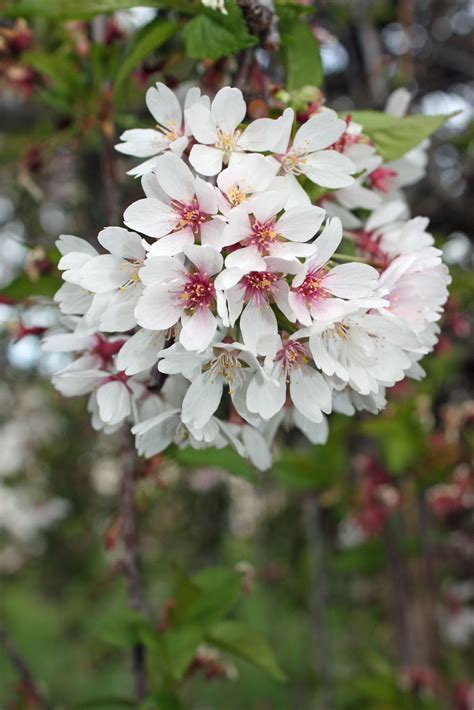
[[177, 292], [316, 290], [289, 362], [182, 212]]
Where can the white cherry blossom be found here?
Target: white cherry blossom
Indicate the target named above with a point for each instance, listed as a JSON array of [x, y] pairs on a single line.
[[175, 292], [181, 211], [171, 133], [219, 138]]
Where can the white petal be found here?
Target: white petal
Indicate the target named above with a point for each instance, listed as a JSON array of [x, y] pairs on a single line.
[[140, 352], [113, 399], [151, 217], [246, 259], [155, 435], [278, 133], [212, 233], [175, 178], [267, 204], [202, 399], [266, 397], [352, 280], [156, 310], [268, 134], [206, 259], [206, 159], [257, 322], [300, 223], [69, 243], [66, 342], [160, 269], [316, 433], [329, 168], [164, 106], [103, 273], [327, 242], [119, 316], [173, 244], [257, 448], [142, 142], [206, 196], [198, 330], [319, 131], [201, 124], [122, 243], [310, 393], [228, 109]]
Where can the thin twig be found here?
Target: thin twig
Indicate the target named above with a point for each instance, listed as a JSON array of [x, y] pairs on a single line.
[[132, 561], [23, 670], [318, 601]]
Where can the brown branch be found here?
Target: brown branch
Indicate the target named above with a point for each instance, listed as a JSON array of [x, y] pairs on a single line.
[[132, 560], [318, 601], [18, 662]]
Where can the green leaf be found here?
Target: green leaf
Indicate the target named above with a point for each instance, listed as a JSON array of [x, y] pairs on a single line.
[[124, 629], [179, 647], [301, 54], [227, 459], [394, 136], [246, 643], [147, 40], [212, 35], [206, 597], [84, 9], [22, 287]]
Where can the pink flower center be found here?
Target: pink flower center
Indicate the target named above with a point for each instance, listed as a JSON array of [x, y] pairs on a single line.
[[190, 215], [382, 179], [347, 138], [262, 236], [105, 349], [198, 292], [311, 289], [259, 285], [292, 354]]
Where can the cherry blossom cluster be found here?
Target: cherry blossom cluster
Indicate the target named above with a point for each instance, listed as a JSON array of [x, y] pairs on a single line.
[[226, 307]]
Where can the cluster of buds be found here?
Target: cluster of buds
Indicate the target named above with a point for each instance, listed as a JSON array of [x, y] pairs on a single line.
[[224, 308]]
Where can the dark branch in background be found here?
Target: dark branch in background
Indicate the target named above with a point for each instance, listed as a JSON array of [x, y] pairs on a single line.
[[318, 601], [401, 591], [262, 20], [28, 682], [131, 559]]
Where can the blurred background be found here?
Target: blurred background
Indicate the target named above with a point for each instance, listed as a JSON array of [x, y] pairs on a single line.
[[355, 559]]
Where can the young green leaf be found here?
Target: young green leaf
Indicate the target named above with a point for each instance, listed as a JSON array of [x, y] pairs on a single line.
[[301, 54], [179, 647], [212, 35], [246, 643], [147, 40], [394, 136]]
